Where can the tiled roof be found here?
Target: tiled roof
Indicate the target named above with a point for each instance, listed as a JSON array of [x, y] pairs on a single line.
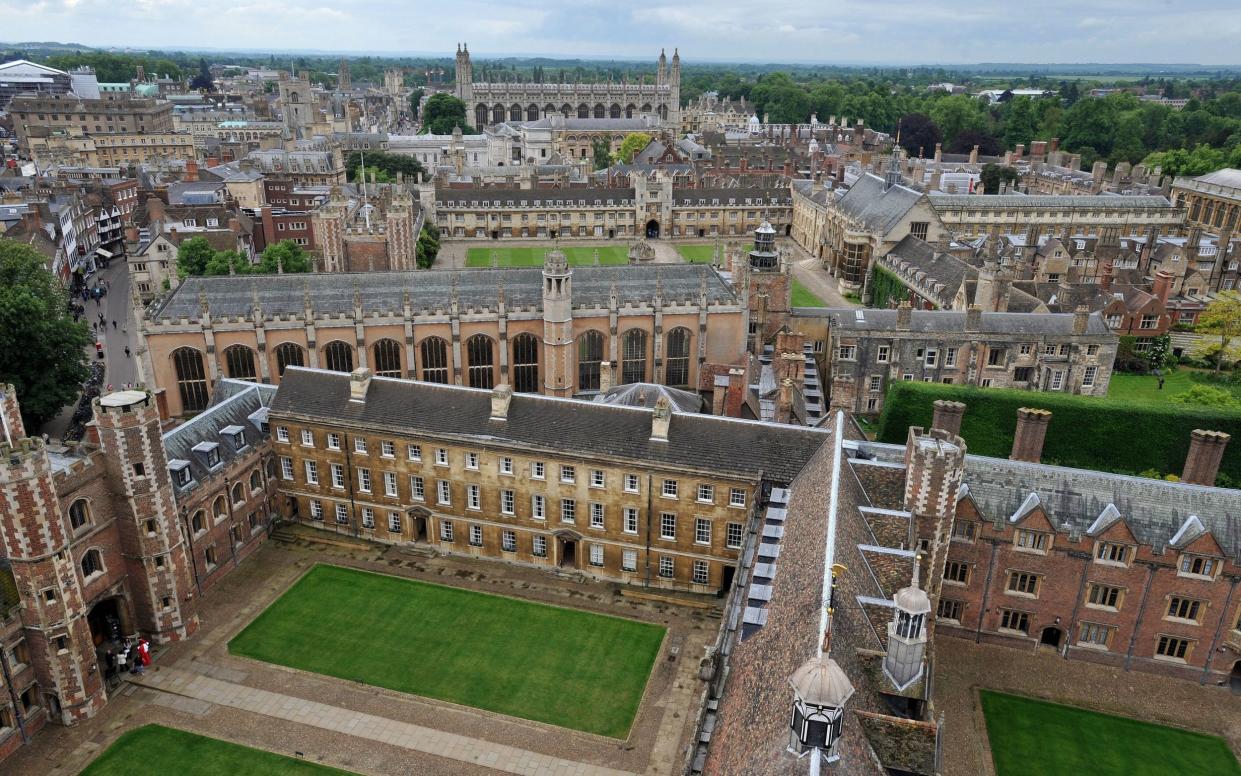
[[849, 319], [235, 402], [876, 209], [1045, 201]]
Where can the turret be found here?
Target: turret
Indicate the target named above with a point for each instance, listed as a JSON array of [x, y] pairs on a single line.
[[820, 691], [558, 323], [907, 634], [935, 462], [661, 75]]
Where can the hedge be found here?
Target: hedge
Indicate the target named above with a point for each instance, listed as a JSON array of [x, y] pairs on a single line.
[[1085, 432], [886, 287]]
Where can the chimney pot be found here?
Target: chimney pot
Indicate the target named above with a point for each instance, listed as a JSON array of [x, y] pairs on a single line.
[[1081, 319], [948, 416], [359, 383], [1031, 432], [1206, 451], [501, 398]]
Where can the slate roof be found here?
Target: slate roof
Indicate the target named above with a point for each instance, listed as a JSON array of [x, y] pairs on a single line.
[[646, 394], [877, 210], [234, 402], [1228, 177], [1046, 201], [942, 267], [724, 446], [432, 289], [488, 195], [930, 321]]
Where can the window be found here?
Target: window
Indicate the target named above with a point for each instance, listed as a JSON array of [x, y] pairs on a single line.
[[525, 366], [1013, 620], [596, 554], [596, 478], [286, 468], [846, 352], [932, 357], [394, 522], [342, 514], [79, 513], [390, 484], [668, 525], [1149, 322], [508, 541], [364, 480], [539, 549], [417, 489], [1022, 374], [289, 354], [702, 531], [471, 461], [312, 473], [949, 609], [736, 497], [883, 354], [191, 379], [676, 358], [733, 534], [413, 452], [434, 352], [282, 433], [480, 356], [387, 449], [631, 483], [568, 474], [1094, 635], [1105, 596], [1198, 566], [596, 515], [669, 489], [1092, 350], [506, 465], [1173, 647], [441, 457], [706, 494], [1088, 376], [308, 438], [338, 475], [629, 560], [631, 520], [368, 517], [589, 360], [538, 507], [1110, 552], [568, 510], [92, 563], [667, 567], [1023, 583], [446, 530], [444, 492], [538, 470], [476, 536], [316, 509], [957, 572], [964, 531], [701, 572], [338, 356], [359, 445], [473, 497], [1032, 541], [1024, 349], [1057, 379], [386, 358], [1183, 609]]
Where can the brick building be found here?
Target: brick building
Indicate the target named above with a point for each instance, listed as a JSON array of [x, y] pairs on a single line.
[[372, 227]]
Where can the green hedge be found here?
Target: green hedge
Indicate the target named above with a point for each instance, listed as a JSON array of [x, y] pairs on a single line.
[[885, 287], [1085, 432]]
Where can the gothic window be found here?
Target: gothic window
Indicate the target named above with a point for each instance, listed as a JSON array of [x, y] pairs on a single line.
[[289, 354], [92, 563], [614, 111], [239, 363], [338, 356], [386, 357], [191, 379], [589, 360], [434, 360], [479, 352], [239, 494], [663, 112], [633, 358], [676, 363], [548, 110], [583, 111], [532, 113], [646, 108], [526, 363], [600, 111], [514, 112], [629, 109], [480, 116], [566, 110], [79, 514], [219, 508], [497, 114], [256, 481]]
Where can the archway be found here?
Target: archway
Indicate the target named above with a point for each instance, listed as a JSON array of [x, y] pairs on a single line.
[[109, 622], [652, 229], [567, 545], [1051, 637], [420, 517], [1234, 682]]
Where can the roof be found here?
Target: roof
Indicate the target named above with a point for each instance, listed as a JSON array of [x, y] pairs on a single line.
[[1046, 202], [939, 267], [646, 394], [236, 403], [1226, 177], [877, 210], [722, 446], [929, 321], [385, 292]]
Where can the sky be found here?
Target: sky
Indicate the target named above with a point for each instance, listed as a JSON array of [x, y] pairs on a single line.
[[785, 31]]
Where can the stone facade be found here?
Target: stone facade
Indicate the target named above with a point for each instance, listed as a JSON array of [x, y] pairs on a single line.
[[38, 115]]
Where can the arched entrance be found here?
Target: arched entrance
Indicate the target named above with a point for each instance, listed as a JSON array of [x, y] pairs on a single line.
[[109, 621], [652, 229], [420, 517], [566, 549], [1234, 681], [1051, 637]]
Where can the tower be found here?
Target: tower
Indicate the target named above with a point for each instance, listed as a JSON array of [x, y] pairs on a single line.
[[934, 463], [903, 664], [465, 76], [296, 104], [674, 94], [893, 175], [151, 539], [399, 217], [558, 323], [661, 74], [344, 82], [36, 539]]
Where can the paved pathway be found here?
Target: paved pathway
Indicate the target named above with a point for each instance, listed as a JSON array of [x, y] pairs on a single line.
[[507, 759]]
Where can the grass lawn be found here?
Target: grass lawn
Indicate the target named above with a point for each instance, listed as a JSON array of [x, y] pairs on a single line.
[[155, 749], [1036, 738], [803, 297], [1145, 388], [533, 257], [697, 254], [561, 666]]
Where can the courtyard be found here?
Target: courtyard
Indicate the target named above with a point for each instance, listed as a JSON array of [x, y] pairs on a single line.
[[545, 663], [532, 256], [159, 749]]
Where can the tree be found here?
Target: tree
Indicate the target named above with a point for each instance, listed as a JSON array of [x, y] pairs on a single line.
[[415, 102], [993, 175], [601, 151], [42, 350], [388, 163], [1222, 319], [920, 134], [965, 141], [443, 113], [284, 256], [1208, 396], [1020, 122], [193, 256], [428, 246], [203, 80], [632, 144], [957, 114], [227, 263]]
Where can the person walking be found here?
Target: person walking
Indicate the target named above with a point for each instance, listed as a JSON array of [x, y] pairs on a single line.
[[126, 351], [114, 325]]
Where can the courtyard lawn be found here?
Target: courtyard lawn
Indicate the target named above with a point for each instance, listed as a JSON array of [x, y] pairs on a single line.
[[561, 666], [157, 749], [578, 256], [1035, 738], [697, 254], [804, 297], [1145, 388]]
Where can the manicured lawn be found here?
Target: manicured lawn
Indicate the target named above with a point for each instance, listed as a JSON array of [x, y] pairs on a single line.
[[153, 749], [1145, 388], [1035, 738], [697, 254], [533, 257], [561, 666], [803, 297]]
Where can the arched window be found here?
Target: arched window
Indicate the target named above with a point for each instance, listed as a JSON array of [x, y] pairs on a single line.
[[289, 354], [239, 494], [480, 356], [583, 111], [633, 357], [480, 116], [629, 109], [386, 358], [532, 113], [219, 508], [526, 363], [79, 514], [338, 356], [514, 112], [589, 359], [256, 481], [676, 359], [191, 379], [239, 363], [434, 360], [614, 112], [548, 110], [497, 114], [197, 522], [92, 563], [600, 111], [566, 110], [209, 556], [646, 108]]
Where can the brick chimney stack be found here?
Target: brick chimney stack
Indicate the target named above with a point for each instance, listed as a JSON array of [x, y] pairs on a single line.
[[1030, 434], [784, 402], [1206, 451], [1081, 319], [191, 171], [904, 316], [1162, 286], [948, 416], [973, 318]]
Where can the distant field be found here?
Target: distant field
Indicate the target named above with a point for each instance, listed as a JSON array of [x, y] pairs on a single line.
[[697, 254], [533, 257]]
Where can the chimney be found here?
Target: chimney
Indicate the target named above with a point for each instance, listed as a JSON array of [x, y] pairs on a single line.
[[784, 402], [973, 318], [605, 377], [974, 155], [939, 152], [359, 383], [501, 397], [948, 416], [661, 418], [212, 161], [1081, 319], [904, 316], [735, 396], [1031, 431], [1105, 277], [10, 415], [1055, 145], [1162, 285], [1206, 450], [191, 171]]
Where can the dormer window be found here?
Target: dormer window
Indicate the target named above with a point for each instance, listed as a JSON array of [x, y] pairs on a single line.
[[1032, 541], [180, 470], [236, 435], [1112, 553], [210, 452], [1199, 566]]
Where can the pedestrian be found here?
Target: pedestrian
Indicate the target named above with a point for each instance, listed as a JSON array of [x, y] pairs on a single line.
[[122, 658], [144, 656], [94, 326], [126, 351], [114, 325]]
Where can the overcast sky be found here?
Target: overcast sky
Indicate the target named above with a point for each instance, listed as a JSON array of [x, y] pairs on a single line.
[[891, 31]]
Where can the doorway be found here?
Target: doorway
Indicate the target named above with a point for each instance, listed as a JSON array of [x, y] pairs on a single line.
[[1234, 681], [652, 229], [108, 622], [1051, 637], [420, 529], [568, 553], [727, 584]]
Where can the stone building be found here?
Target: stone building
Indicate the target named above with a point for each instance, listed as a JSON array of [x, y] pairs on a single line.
[[374, 227], [111, 149], [1212, 203], [495, 103], [547, 331], [116, 538], [867, 349], [40, 115], [574, 138], [976, 215]]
